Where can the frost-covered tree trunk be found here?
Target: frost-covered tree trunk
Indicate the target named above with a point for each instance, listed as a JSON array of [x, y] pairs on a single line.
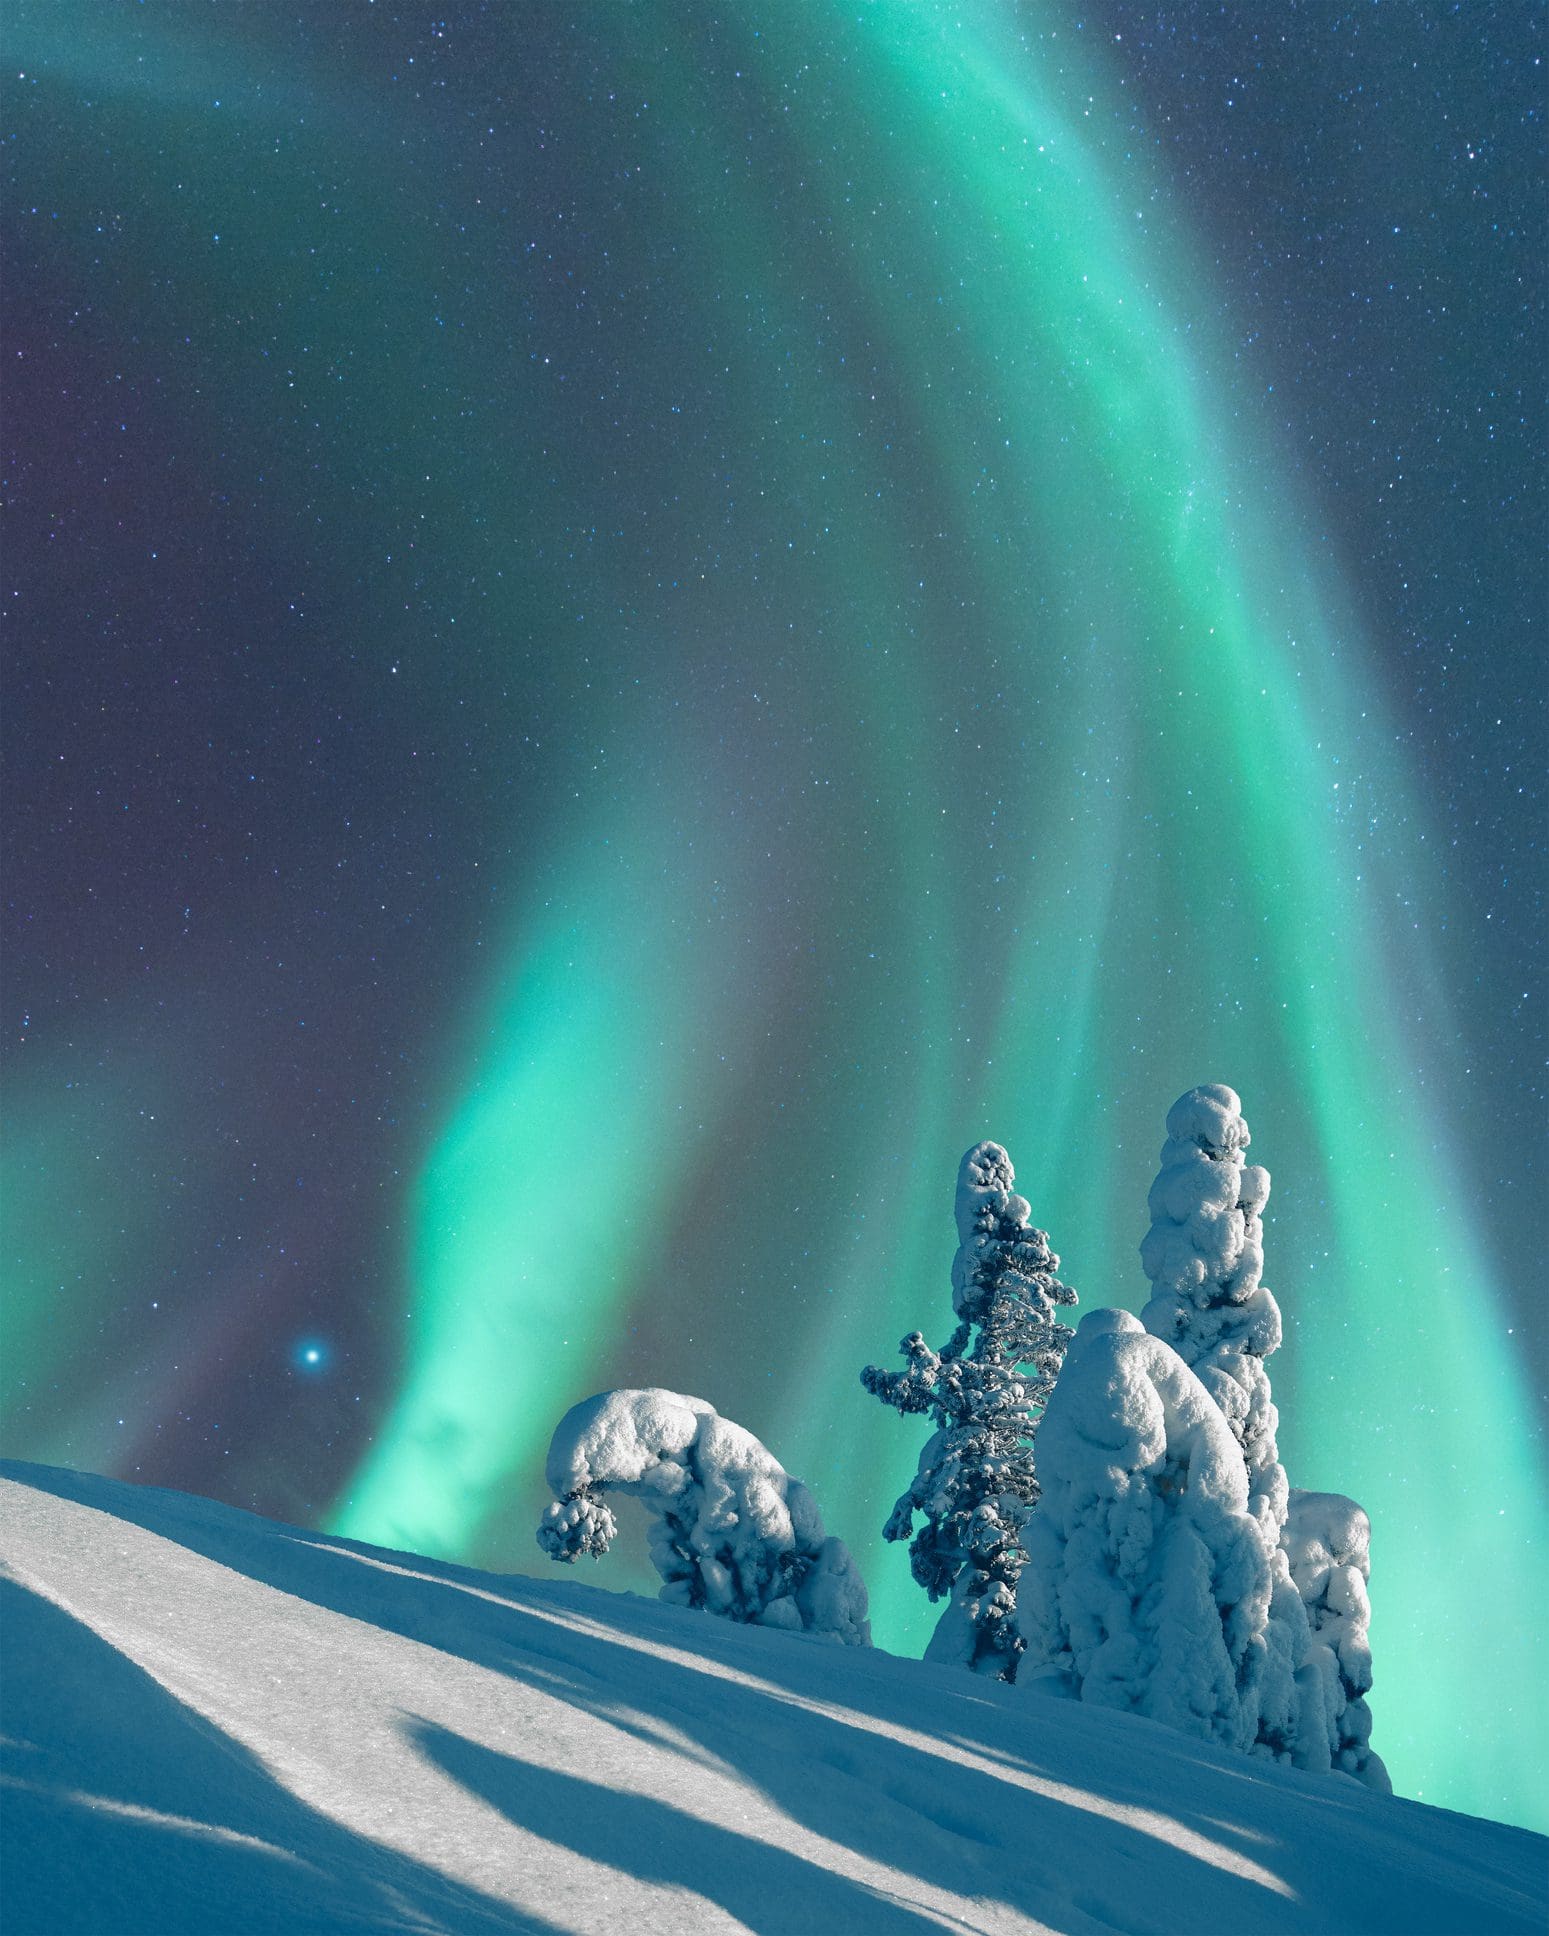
[[731, 1531], [1204, 1255], [1328, 1543], [984, 1391], [1149, 1579]]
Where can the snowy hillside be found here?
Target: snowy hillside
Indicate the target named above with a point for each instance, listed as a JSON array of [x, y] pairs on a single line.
[[215, 1723]]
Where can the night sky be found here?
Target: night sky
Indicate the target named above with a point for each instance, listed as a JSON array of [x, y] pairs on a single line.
[[628, 625]]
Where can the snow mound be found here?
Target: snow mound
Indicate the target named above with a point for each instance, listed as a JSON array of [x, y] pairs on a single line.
[[219, 1724]]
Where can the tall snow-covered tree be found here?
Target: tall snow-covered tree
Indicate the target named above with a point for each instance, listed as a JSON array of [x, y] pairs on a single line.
[[1149, 1580], [1204, 1255], [731, 1530], [984, 1392], [1328, 1543]]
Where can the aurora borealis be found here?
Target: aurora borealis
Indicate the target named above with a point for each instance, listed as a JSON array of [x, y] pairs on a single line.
[[630, 626]]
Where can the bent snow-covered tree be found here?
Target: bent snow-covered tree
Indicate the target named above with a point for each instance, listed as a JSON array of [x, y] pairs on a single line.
[[1149, 1579], [731, 1530], [1328, 1543], [984, 1391]]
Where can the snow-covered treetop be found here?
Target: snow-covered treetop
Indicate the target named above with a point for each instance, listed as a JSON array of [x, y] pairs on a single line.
[[998, 1250], [984, 1176], [623, 1438], [1124, 1405], [1204, 1252], [1210, 1116]]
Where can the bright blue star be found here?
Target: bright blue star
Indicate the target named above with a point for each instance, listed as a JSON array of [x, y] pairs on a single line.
[[310, 1355]]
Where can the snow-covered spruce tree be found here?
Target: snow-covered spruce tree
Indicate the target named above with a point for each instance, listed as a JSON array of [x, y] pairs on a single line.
[[984, 1391], [1204, 1255], [1328, 1543], [731, 1531], [1148, 1580]]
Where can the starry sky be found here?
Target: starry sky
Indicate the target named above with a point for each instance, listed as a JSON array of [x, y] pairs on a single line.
[[627, 626]]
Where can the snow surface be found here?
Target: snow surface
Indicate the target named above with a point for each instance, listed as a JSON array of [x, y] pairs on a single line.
[[220, 1724]]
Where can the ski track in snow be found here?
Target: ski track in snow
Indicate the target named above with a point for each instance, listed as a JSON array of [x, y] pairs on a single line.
[[217, 1724]]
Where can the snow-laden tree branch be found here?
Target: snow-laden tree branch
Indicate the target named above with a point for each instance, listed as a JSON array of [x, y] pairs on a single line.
[[731, 1531]]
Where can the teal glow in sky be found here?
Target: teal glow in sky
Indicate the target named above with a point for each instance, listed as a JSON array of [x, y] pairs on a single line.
[[714, 612]]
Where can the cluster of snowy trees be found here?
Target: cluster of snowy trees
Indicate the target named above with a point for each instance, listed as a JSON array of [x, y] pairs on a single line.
[[1151, 1556]]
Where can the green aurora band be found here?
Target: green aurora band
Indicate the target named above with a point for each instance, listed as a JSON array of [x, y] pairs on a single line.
[[1058, 784]]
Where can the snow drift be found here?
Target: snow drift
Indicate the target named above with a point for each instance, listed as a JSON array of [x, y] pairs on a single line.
[[218, 1724]]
